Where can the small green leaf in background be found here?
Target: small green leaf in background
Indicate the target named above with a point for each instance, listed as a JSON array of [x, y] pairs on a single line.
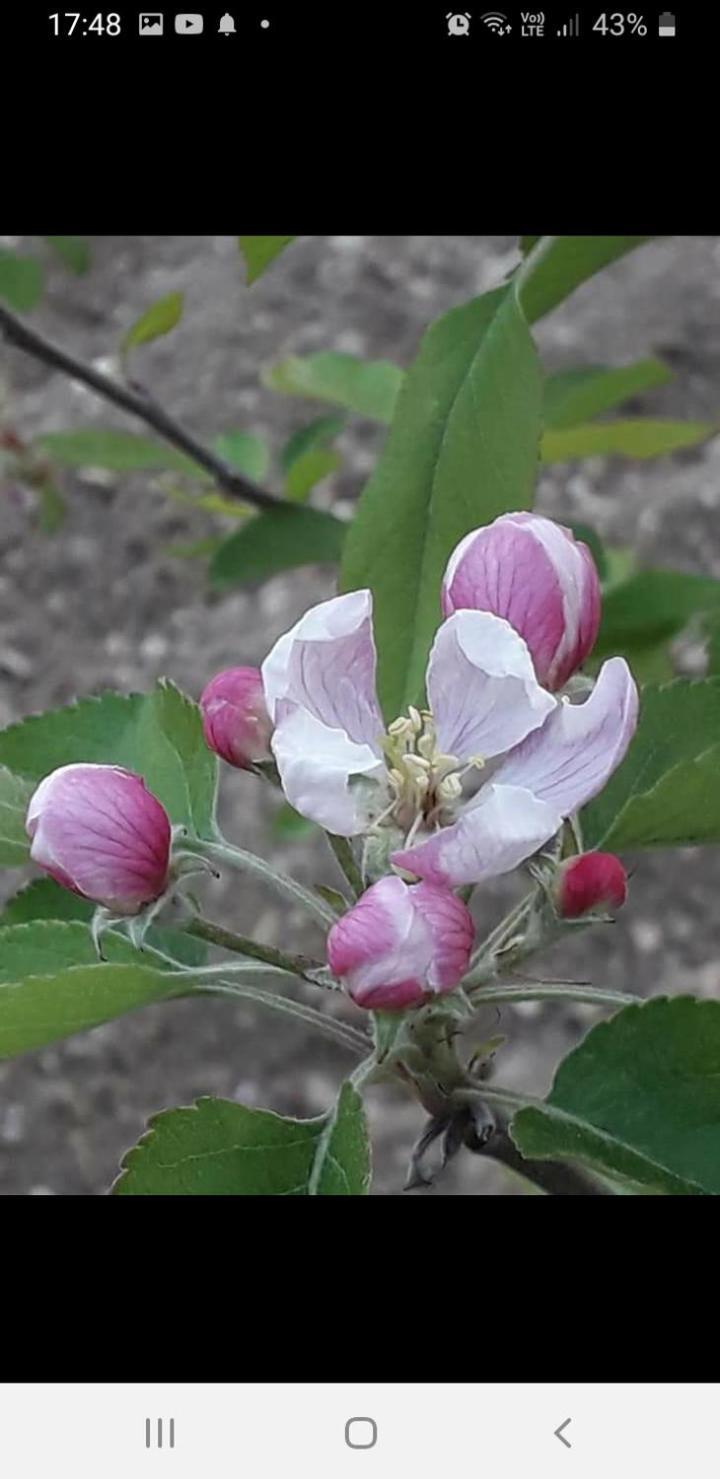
[[462, 449], [307, 457], [317, 433], [309, 470], [159, 319], [281, 539], [638, 439], [42, 1009], [574, 396], [43, 899], [287, 823], [158, 735], [366, 387], [218, 1148], [21, 280], [15, 794], [653, 606], [118, 451], [73, 251], [638, 1100], [248, 453], [259, 252], [557, 265], [52, 509], [666, 793]]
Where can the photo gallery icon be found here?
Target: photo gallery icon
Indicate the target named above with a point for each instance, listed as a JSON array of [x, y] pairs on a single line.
[[150, 23]]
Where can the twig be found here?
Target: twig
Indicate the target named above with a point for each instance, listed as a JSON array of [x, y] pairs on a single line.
[[555, 1178], [215, 934], [136, 404]]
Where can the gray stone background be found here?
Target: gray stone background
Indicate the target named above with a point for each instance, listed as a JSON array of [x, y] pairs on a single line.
[[103, 603]]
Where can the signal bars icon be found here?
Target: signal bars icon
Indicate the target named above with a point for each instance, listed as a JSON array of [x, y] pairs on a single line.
[[571, 27]]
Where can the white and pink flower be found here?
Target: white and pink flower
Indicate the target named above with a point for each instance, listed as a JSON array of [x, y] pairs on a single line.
[[476, 783], [540, 578], [96, 829], [399, 945]]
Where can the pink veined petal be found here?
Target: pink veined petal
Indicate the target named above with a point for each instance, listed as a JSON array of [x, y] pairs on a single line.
[[452, 930], [326, 665], [482, 688], [499, 829], [316, 765], [571, 758], [382, 948], [579, 588]]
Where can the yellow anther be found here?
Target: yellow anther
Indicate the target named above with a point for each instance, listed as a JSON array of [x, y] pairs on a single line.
[[415, 720]]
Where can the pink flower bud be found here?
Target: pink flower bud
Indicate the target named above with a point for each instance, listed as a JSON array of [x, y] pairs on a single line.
[[400, 944], [540, 578], [590, 881], [236, 723], [97, 830]]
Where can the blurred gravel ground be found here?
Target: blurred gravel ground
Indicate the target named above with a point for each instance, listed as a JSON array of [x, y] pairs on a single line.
[[104, 604]]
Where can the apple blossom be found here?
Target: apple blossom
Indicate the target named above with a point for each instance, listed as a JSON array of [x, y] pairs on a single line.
[[236, 723], [478, 781], [96, 829], [400, 944], [540, 578], [588, 882]]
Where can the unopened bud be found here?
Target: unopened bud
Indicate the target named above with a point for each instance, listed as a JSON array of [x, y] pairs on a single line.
[[594, 880], [399, 944], [236, 723]]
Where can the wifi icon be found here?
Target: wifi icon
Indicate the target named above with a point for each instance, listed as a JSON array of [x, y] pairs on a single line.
[[496, 22]]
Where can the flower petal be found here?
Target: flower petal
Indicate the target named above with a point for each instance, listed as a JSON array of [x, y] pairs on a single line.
[[482, 687], [500, 828], [570, 759], [316, 764], [326, 665]]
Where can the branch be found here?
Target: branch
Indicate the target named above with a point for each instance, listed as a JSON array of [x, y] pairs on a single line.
[[215, 934], [136, 403]]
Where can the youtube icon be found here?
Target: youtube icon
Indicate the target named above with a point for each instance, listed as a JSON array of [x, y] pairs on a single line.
[[188, 25]]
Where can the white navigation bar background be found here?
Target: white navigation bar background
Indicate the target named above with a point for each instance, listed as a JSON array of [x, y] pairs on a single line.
[[431, 1431]]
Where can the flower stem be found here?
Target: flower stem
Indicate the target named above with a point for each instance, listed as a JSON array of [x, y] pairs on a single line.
[[247, 862], [339, 1031], [594, 995], [215, 934], [346, 862]]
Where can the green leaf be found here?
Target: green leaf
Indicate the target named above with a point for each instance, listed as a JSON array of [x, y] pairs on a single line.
[[248, 453], [667, 790], [158, 735], [73, 251], [14, 841], [557, 265], [317, 433], [638, 1100], [44, 899], [260, 251], [639, 439], [462, 449], [280, 539], [52, 508], [217, 1148], [288, 824], [575, 396], [21, 280], [526, 244], [308, 470], [119, 451], [44, 1008], [159, 319], [42, 947], [653, 606], [366, 387]]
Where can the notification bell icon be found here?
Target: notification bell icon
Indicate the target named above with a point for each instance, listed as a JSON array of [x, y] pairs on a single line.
[[227, 26]]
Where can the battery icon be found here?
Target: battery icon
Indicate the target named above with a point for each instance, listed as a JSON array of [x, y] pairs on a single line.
[[666, 24]]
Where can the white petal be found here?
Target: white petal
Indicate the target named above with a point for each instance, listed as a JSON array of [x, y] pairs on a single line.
[[316, 764], [570, 759], [326, 665], [498, 830], [482, 687]]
